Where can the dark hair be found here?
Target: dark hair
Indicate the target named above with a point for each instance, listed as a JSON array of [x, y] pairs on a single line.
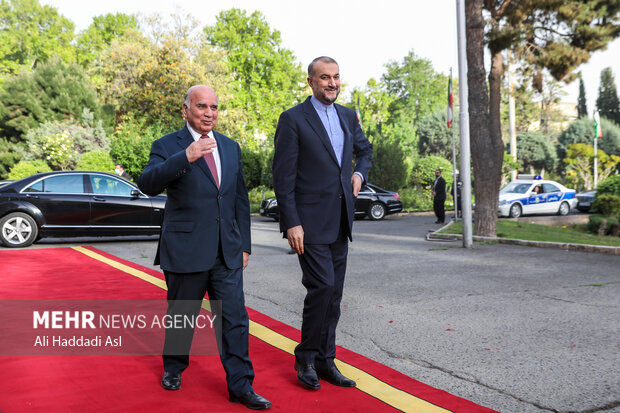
[[325, 59]]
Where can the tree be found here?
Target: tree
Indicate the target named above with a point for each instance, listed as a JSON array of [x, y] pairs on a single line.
[[582, 131], [545, 34], [141, 79], [374, 105], [388, 168], [536, 152], [100, 34], [487, 148], [582, 105], [418, 92], [607, 102], [434, 136], [10, 154], [31, 34], [53, 91], [267, 78], [580, 159]]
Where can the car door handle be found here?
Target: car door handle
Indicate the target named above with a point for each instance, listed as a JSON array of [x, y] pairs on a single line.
[[32, 196], [98, 199]]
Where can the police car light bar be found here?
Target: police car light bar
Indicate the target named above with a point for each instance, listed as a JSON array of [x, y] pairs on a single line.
[[534, 177]]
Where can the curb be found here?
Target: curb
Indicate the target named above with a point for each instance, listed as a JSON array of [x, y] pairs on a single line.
[[541, 244]]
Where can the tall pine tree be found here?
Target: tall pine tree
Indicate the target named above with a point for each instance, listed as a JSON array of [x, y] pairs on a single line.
[[607, 102], [582, 106]]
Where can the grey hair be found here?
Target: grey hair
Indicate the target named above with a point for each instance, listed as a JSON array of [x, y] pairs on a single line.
[[188, 95], [324, 59]]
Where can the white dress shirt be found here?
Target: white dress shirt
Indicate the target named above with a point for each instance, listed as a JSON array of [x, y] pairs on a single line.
[[216, 154]]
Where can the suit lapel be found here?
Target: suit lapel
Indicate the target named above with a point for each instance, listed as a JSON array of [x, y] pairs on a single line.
[[315, 123], [186, 139]]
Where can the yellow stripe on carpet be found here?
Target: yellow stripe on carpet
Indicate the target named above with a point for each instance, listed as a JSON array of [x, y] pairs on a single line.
[[367, 383]]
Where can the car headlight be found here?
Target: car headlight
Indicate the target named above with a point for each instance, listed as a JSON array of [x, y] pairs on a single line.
[[502, 202], [273, 203]]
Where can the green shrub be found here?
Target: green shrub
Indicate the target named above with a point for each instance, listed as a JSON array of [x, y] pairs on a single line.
[[10, 154], [611, 225], [256, 197], [423, 172], [99, 160], [611, 186], [416, 199], [131, 144], [388, 168], [252, 167], [23, 169], [607, 205]]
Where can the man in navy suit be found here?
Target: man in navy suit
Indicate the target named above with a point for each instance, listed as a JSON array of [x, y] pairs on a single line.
[[205, 239], [314, 146]]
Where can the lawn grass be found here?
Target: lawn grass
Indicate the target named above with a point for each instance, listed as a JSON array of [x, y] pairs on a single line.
[[574, 234]]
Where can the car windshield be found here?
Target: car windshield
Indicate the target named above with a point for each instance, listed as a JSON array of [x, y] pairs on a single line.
[[515, 188]]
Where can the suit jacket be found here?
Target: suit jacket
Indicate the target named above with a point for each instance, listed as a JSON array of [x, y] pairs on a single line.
[[199, 218], [439, 186], [309, 183]]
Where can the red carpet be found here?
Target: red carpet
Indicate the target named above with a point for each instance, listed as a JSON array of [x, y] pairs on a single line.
[[123, 383]]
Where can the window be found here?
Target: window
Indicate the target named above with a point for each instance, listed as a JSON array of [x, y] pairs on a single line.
[[548, 188], [60, 184], [106, 185]]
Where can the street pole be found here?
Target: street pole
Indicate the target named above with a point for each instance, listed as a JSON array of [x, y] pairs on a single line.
[[464, 126], [454, 181]]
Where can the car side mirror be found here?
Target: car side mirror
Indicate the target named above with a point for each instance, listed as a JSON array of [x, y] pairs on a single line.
[[135, 193]]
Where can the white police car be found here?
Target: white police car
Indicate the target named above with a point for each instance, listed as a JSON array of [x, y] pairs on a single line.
[[535, 196]]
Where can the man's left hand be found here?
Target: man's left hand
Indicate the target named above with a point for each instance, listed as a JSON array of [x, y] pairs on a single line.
[[246, 258], [356, 183]]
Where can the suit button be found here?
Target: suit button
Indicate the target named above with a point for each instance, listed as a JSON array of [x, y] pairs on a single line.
[[218, 219], [219, 197]]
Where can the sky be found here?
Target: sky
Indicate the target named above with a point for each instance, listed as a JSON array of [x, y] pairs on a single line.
[[362, 35]]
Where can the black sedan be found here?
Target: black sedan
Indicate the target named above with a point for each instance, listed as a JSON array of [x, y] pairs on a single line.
[[372, 201], [584, 200], [75, 203]]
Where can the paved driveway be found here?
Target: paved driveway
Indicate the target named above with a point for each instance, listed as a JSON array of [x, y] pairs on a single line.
[[517, 329]]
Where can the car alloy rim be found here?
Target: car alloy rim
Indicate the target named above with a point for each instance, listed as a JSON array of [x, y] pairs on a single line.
[[563, 209], [16, 230], [377, 211]]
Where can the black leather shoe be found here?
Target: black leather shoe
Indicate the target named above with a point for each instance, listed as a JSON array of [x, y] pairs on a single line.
[[332, 375], [251, 400], [171, 381], [306, 374]]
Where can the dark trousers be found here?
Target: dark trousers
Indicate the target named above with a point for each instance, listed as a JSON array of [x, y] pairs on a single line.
[[225, 285], [323, 267], [438, 207]]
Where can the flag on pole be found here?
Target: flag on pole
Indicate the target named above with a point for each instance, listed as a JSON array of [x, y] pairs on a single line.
[[450, 116], [598, 132], [359, 114]]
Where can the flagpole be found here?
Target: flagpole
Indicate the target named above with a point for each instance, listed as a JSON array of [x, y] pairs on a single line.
[[597, 128], [464, 126], [454, 173]]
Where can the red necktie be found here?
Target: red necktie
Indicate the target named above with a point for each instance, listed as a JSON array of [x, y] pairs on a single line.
[[211, 164]]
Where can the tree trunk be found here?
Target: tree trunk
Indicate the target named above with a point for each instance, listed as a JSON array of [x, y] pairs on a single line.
[[484, 122]]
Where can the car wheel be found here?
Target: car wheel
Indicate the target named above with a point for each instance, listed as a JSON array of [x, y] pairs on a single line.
[[515, 211], [564, 209], [376, 211], [18, 230]]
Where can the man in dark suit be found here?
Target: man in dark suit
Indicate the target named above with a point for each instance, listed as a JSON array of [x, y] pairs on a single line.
[[439, 197], [314, 145], [205, 238]]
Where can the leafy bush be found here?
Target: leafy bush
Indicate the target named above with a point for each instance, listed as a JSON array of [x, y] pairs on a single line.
[[10, 154], [131, 144], [388, 168], [256, 197], [266, 178], [601, 225], [610, 186], [98, 160], [582, 131], [23, 169], [252, 167], [416, 199], [607, 204], [86, 137], [423, 172]]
